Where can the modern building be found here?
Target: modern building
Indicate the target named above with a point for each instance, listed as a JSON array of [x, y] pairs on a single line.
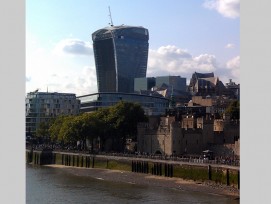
[[166, 86], [121, 54], [152, 105], [42, 106], [176, 82], [144, 83]]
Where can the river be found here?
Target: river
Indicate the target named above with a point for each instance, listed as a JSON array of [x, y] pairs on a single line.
[[45, 185]]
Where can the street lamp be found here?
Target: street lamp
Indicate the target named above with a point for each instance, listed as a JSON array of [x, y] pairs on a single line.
[[164, 144]]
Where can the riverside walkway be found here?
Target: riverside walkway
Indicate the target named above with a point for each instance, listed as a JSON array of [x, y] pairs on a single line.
[[233, 165]]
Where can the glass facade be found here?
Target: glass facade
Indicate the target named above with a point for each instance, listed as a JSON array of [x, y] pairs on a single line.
[[177, 82], [144, 83], [151, 105], [121, 54]]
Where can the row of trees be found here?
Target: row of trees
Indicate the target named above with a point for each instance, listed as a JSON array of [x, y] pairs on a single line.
[[116, 123]]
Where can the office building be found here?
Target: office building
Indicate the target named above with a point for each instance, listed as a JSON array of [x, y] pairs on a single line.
[[152, 105], [175, 82], [145, 84], [42, 106], [121, 54]]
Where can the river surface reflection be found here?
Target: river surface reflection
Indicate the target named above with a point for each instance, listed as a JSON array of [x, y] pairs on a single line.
[[45, 185]]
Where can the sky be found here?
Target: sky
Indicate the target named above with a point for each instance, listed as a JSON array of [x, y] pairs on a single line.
[[186, 36]]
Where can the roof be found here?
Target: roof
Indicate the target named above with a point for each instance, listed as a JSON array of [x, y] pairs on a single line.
[[203, 75], [107, 31]]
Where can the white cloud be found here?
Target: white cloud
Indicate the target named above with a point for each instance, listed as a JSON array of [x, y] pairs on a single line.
[[234, 66], [60, 73], [73, 46], [230, 45], [27, 79], [83, 83], [227, 8], [171, 60]]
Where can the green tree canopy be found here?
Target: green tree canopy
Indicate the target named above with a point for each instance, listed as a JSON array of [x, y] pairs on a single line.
[[234, 109], [124, 117]]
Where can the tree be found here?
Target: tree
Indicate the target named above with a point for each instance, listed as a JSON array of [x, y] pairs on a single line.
[[234, 109], [124, 117], [87, 125], [43, 130], [55, 127]]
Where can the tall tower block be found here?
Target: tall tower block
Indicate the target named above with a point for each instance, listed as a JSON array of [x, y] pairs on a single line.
[[121, 55]]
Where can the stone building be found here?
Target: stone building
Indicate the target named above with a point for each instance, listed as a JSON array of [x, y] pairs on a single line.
[[203, 84], [168, 135]]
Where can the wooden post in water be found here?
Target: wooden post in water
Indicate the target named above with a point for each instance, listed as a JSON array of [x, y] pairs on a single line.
[[93, 162], [209, 172], [82, 161], [228, 177], [62, 159], [238, 179]]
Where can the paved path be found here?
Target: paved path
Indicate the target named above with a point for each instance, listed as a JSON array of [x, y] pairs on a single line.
[[154, 160]]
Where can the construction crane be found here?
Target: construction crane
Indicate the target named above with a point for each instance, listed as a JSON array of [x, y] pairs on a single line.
[[110, 17]]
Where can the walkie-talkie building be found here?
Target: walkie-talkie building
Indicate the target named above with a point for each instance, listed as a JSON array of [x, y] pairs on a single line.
[[121, 54]]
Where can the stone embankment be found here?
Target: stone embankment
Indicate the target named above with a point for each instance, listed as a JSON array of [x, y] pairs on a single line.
[[218, 179]]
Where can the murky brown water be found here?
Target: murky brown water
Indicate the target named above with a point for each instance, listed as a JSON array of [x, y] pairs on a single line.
[[49, 185]]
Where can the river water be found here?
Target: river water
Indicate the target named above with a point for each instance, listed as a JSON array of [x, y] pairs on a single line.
[[45, 185]]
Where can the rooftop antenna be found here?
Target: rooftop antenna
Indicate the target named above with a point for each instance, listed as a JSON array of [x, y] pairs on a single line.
[[110, 16]]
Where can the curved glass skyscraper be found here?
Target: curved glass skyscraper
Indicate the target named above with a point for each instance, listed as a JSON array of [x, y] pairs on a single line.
[[121, 54]]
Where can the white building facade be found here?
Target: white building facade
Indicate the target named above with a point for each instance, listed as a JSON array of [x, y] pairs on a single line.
[[42, 106]]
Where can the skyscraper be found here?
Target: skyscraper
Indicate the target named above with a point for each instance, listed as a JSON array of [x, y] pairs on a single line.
[[121, 54]]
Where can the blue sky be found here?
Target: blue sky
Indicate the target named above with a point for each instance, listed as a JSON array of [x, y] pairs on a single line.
[[185, 36]]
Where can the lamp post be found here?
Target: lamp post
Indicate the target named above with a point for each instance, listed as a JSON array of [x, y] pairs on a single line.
[[165, 145], [151, 144]]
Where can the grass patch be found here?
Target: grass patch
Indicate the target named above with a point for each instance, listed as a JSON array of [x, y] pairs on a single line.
[[119, 165], [190, 172]]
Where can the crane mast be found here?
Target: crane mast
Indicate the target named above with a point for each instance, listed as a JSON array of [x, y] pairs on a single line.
[[110, 16]]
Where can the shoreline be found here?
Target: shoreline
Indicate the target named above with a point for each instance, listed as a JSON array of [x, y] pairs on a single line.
[[208, 187]]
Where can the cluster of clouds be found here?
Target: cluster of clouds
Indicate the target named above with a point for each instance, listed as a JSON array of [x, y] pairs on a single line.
[[171, 60], [84, 83], [72, 46], [227, 8]]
